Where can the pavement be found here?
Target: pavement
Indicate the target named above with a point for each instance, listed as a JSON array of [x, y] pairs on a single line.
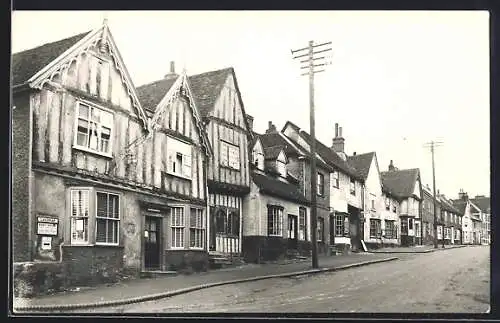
[[415, 249], [455, 281], [140, 290]]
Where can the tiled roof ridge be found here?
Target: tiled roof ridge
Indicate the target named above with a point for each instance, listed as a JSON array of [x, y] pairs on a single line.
[[52, 42]]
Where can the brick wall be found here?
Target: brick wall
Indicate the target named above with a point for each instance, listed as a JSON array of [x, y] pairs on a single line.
[[21, 169]]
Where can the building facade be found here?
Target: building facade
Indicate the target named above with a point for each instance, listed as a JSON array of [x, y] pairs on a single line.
[[276, 212], [406, 186], [90, 197], [219, 101], [483, 203]]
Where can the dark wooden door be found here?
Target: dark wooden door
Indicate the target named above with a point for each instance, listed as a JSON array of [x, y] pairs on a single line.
[[152, 242], [292, 231]]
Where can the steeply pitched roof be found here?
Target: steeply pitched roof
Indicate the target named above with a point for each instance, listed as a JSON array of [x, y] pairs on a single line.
[[400, 183], [483, 203], [331, 157], [27, 63], [276, 140], [460, 205], [206, 88], [361, 163], [151, 94], [275, 187], [272, 153]]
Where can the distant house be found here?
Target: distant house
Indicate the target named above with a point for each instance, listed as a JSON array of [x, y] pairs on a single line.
[[471, 221], [452, 222], [484, 205], [380, 209], [405, 185], [428, 203], [276, 212]]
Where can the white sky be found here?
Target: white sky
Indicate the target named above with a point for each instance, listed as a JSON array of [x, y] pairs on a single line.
[[398, 79]]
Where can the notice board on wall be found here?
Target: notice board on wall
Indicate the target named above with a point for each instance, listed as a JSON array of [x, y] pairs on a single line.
[[47, 225]]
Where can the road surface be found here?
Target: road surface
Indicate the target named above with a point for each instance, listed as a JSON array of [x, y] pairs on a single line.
[[448, 281]]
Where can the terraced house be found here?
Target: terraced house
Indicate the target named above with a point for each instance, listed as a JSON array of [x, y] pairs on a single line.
[[380, 210], [221, 107], [428, 215], [276, 212], [406, 186], [339, 191], [451, 220], [484, 205], [471, 220], [84, 192]]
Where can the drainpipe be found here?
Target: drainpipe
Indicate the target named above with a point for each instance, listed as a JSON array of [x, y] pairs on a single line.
[[61, 252]]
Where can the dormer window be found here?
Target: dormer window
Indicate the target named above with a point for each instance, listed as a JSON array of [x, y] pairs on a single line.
[[281, 168], [258, 159]]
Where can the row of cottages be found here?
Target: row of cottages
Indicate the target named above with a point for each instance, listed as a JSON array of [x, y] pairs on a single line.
[[476, 218], [107, 177], [448, 219]]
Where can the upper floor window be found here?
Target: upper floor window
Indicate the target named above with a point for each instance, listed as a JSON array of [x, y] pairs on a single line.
[[229, 155], [352, 186], [394, 208], [94, 128], [320, 184], [258, 159], [335, 181], [387, 203], [179, 158], [281, 168], [302, 223]]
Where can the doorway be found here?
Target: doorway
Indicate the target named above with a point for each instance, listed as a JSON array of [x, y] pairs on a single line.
[[292, 231], [152, 239]]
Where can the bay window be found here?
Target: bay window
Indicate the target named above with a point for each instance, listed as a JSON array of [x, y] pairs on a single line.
[[390, 229], [375, 228]]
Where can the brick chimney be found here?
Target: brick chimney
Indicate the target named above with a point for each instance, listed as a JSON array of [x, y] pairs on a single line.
[[391, 166], [338, 140], [171, 74], [463, 195], [271, 128], [250, 122]]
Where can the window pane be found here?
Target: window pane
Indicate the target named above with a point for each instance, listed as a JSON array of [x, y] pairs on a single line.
[[102, 205], [83, 111], [101, 230]]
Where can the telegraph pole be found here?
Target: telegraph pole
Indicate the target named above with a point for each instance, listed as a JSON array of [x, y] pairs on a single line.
[[310, 65], [432, 145]]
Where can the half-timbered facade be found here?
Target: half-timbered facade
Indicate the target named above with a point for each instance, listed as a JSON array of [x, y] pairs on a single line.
[[228, 178], [101, 193]]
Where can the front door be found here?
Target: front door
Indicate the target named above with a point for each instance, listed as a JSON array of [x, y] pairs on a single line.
[[332, 229], [292, 231], [152, 242]]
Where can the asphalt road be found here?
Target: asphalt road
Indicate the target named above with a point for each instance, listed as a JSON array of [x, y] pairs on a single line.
[[448, 281]]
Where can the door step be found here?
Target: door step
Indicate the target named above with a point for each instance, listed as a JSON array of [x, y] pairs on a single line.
[[157, 273]]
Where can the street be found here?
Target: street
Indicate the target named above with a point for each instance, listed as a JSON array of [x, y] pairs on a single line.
[[450, 281]]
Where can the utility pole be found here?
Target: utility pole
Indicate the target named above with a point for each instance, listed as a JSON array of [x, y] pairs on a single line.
[[432, 145], [310, 65]]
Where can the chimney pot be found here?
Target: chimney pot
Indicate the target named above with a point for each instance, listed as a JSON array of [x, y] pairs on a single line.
[[391, 166], [336, 129], [340, 132]]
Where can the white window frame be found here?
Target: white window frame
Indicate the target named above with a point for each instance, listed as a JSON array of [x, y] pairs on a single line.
[[335, 181], [86, 148], [197, 228], [174, 227], [320, 184], [352, 186], [281, 166], [107, 219], [277, 220], [88, 217], [225, 150], [302, 224], [185, 169]]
